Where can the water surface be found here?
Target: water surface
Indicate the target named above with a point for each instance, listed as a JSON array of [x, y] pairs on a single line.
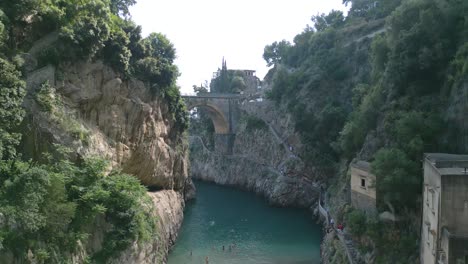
[[249, 229]]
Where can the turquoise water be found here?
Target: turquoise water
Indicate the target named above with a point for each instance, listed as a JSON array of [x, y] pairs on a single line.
[[256, 232]]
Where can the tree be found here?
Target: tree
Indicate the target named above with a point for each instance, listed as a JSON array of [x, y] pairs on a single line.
[[12, 91], [276, 52], [121, 6], [371, 9], [237, 84], [116, 52], [157, 66], [334, 19], [87, 28], [357, 222], [159, 46], [398, 179], [200, 89], [221, 83]]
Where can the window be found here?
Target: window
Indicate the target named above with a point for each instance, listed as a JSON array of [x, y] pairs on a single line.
[[363, 183], [427, 195], [433, 200], [428, 234]]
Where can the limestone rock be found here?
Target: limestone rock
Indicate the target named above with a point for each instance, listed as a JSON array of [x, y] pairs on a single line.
[[190, 191], [169, 207], [125, 123], [246, 173]]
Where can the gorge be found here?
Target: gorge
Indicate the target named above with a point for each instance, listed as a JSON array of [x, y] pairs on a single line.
[[99, 150]]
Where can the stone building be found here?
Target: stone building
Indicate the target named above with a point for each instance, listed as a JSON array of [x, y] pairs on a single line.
[[363, 194], [235, 81], [252, 82], [444, 227]]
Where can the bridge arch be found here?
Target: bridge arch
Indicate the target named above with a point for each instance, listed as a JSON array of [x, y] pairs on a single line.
[[223, 111], [220, 122]]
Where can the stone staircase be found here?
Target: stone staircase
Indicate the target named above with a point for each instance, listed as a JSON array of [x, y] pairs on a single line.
[[352, 251]]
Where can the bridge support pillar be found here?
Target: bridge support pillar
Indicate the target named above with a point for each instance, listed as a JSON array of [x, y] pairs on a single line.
[[224, 143]]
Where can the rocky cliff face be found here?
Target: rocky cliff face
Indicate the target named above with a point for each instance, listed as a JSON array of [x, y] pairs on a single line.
[[261, 163], [97, 112], [169, 210], [102, 114]]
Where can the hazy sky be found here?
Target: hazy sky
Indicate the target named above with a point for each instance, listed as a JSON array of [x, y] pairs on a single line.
[[203, 31]]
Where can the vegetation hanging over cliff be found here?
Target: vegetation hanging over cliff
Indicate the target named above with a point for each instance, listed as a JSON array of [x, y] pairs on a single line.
[[49, 209], [359, 88], [92, 30]]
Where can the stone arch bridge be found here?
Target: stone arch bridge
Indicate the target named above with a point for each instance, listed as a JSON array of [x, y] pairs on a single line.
[[223, 110]]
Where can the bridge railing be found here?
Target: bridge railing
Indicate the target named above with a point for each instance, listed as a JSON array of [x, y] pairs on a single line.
[[223, 95], [212, 95]]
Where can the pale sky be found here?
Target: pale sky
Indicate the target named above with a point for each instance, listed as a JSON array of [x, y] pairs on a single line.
[[205, 31]]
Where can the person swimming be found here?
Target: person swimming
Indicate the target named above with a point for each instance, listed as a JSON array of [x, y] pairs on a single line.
[[207, 260]]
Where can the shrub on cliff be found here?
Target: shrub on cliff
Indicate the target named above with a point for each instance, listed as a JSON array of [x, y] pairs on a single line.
[[254, 123], [12, 91], [48, 208]]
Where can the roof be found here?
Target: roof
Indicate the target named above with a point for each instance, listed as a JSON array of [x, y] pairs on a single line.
[[360, 164], [448, 164], [445, 157]]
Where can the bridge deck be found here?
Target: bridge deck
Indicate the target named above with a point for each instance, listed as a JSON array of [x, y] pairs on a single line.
[[215, 95]]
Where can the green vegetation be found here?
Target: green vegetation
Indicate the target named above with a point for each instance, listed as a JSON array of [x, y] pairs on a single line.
[[407, 96], [393, 243], [51, 102], [200, 122], [46, 97], [93, 30], [228, 81], [49, 208], [317, 66], [11, 113], [254, 123], [52, 206], [387, 100]]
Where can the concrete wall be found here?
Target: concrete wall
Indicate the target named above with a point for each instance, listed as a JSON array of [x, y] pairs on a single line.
[[458, 251], [363, 197], [444, 246], [430, 218], [363, 202], [455, 204]]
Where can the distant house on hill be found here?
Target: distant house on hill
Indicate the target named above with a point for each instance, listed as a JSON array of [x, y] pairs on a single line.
[[234, 81], [363, 194], [444, 227]]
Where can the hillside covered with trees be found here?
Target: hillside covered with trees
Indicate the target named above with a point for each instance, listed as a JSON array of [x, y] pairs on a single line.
[[385, 84]]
